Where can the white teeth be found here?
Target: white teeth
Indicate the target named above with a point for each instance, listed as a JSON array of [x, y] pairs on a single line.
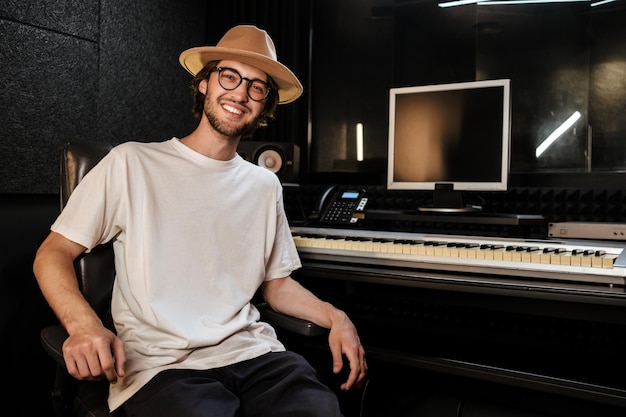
[[232, 109]]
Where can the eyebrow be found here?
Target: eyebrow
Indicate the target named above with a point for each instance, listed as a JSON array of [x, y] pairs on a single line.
[[266, 80]]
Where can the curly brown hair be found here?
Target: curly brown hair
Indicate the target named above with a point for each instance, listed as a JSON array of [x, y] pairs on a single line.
[[271, 102]]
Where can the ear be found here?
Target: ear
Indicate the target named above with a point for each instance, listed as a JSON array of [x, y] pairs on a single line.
[[203, 86]]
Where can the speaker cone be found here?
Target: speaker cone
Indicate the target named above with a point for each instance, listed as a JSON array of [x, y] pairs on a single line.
[[270, 159], [282, 158]]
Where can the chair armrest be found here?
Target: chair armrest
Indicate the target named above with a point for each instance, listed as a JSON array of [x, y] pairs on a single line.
[[52, 338], [289, 323]]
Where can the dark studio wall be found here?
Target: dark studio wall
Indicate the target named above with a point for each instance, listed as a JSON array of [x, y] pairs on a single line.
[[560, 57], [99, 70]]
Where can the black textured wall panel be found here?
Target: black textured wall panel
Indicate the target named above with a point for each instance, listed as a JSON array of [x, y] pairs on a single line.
[[145, 93], [48, 96], [101, 70], [77, 18], [554, 204]]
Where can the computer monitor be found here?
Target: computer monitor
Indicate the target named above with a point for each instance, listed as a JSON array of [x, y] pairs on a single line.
[[450, 138]]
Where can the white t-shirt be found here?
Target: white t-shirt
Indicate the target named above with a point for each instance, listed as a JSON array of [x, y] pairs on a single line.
[[194, 238]]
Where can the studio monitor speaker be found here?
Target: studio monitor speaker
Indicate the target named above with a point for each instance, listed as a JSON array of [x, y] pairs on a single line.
[[281, 158]]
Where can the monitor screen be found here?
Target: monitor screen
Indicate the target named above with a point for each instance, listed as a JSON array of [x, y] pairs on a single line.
[[453, 136]]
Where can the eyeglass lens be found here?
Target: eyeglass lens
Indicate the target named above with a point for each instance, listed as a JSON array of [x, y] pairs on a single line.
[[230, 79]]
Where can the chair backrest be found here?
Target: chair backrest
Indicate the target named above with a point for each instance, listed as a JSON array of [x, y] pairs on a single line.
[[95, 270]]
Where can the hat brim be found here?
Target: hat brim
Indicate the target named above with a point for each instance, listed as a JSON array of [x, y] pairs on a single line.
[[289, 88]]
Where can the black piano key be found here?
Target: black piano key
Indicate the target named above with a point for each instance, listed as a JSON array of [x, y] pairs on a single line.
[[382, 240]]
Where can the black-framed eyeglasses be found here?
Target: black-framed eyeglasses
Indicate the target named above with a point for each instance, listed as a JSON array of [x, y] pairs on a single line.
[[230, 79]]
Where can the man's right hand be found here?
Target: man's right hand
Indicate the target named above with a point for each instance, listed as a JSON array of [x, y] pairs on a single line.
[[93, 353]]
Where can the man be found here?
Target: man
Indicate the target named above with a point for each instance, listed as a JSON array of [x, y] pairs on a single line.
[[196, 230]]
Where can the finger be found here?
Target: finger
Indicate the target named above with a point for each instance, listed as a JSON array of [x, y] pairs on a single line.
[[355, 371], [358, 373], [94, 362], [71, 366], [364, 369], [80, 367], [337, 355], [105, 365], [352, 376], [119, 355]]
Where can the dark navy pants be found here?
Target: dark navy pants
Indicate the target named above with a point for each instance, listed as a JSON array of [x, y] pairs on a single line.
[[278, 384]]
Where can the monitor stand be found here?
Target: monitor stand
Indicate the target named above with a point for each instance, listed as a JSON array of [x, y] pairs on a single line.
[[447, 200]]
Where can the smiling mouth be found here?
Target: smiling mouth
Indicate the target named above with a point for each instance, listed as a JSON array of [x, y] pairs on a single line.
[[232, 110]]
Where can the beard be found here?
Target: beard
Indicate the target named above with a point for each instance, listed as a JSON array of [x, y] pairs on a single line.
[[224, 128]]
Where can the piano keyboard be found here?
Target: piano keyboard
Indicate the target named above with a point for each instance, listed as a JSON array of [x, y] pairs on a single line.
[[592, 261]]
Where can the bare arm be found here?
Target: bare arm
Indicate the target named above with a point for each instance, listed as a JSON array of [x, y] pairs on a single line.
[[287, 296], [91, 351]]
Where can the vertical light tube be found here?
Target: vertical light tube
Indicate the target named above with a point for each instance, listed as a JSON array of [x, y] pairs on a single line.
[[359, 141]]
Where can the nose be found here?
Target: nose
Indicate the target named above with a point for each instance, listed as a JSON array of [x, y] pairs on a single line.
[[241, 91]]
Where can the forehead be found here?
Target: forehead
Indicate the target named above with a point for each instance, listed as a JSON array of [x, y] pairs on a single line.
[[247, 71]]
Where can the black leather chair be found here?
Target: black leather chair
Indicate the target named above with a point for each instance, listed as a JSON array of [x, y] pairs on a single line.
[[96, 272]]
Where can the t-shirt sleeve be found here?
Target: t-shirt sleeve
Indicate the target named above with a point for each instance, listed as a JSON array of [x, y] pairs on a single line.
[[285, 258], [90, 215]]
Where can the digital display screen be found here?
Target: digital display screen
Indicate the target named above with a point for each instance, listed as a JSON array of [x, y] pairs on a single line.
[[450, 133], [351, 195]]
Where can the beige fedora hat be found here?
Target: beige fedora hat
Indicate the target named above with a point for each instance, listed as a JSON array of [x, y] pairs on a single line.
[[252, 46]]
